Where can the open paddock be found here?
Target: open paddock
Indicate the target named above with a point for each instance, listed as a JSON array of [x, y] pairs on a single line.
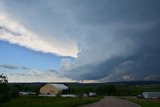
[[42, 101], [146, 102]]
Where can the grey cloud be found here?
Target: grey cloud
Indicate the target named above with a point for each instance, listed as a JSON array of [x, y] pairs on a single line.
[[24, 68], [141, 42], [19, 74], [3, 29], [139, 67], [118, 40], [116, 32], [94, 71], [103, 12], [9, 66], [145, 68], [54, 71]]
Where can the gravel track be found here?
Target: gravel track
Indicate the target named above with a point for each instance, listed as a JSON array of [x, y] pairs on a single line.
[[112, 102]]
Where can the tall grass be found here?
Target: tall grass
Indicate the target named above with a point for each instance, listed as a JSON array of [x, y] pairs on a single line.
[[144, 102], [37, 101]]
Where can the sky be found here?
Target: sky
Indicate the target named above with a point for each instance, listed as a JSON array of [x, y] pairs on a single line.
[[75, 40]]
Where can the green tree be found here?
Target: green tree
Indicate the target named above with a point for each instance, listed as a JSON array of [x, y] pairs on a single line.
[[111, 89], [4, 88], [3, 78], [106, 89]]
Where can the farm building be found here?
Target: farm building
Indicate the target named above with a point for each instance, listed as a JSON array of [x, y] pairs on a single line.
[[49, 89], [151, 94], [92, 94]]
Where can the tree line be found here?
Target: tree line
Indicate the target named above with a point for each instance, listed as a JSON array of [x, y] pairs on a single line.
[[11, 90]]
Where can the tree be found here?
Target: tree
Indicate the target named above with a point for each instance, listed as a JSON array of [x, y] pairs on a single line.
[[106, 89], [111, 89], [4, 88], [3, 78]]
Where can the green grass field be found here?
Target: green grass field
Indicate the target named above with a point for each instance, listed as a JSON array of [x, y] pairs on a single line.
[[37, 101], [145, 102]]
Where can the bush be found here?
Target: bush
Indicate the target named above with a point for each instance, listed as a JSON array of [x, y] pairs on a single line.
[[5, 94], [106, 90]]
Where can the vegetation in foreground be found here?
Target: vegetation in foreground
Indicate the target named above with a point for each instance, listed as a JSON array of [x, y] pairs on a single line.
[[146, 102], [9, 96], [116, 89], [37, 101]]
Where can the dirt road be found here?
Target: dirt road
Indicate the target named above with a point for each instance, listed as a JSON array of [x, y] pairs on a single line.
[[112, 102]]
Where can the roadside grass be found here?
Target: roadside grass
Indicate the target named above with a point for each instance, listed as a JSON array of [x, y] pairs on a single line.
[[37, 101], [145, 102]]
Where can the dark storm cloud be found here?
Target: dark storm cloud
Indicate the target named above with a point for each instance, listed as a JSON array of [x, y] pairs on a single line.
[[145, 68], [95, 71], [145, 60], [118, 39], [134, 32], [142, 66], [112, 11]]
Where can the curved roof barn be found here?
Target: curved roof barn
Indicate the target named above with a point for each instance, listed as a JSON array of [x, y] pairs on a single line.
[[52, 89]]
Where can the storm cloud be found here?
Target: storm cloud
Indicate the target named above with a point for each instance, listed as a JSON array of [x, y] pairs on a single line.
[[120, 41], [115, 40]]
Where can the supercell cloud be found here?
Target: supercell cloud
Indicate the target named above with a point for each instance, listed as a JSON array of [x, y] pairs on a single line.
[[120, 40], [111, 40]]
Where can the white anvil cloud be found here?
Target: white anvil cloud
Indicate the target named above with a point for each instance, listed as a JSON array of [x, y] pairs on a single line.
[[15, 33]]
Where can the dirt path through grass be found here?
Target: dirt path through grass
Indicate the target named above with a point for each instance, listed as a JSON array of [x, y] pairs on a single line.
[[112, 102]]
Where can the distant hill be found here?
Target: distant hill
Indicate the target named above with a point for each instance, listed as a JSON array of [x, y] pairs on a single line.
[[96, 84]]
